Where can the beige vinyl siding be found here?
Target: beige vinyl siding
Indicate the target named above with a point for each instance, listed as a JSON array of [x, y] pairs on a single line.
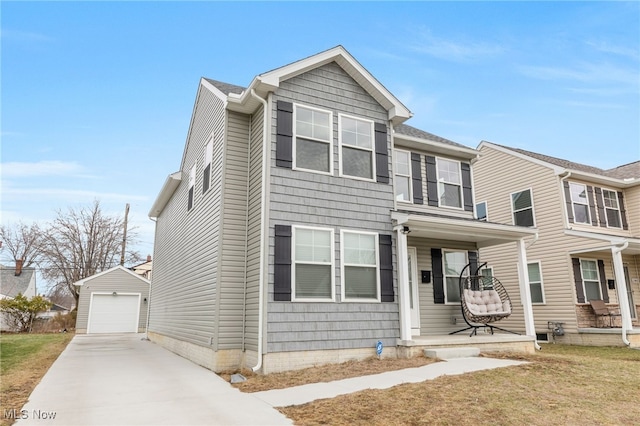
[[329, 201], [233, 233], [116, 280], [185, 272], [253, 233], [497, 175], [632, 205]]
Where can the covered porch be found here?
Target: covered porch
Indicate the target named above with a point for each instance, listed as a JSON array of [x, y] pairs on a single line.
[[427, 323]]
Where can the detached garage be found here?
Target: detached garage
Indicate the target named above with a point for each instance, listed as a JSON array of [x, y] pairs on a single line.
[[113, 301]]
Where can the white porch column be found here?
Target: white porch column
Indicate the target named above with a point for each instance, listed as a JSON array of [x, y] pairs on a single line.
[[621, 288], [525, 289], [403, 284]]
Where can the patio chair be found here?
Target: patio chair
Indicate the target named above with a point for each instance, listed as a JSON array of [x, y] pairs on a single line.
[[483, 301], [601, 310]]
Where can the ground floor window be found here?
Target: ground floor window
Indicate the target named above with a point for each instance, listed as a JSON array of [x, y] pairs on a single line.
[[313, 263], [590, 279], [454, 263], [360, 266]]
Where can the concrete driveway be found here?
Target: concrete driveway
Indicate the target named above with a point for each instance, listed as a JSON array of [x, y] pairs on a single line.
[[122, 379]]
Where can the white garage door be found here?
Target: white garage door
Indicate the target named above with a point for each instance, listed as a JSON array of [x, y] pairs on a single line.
[[114, 314]]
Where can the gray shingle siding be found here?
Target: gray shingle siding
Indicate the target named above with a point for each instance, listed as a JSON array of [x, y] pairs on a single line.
[[304, 198]]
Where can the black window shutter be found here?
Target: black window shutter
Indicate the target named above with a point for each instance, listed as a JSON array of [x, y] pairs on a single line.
[[386, 268], [190, 199], [382, 153], [206, 178], [432, 181], [577, 277], [567, 199], [623, 212], [592, 206], [282, 264], [284, 134], [603, 282], [416, 178], [473, 262], [467, 193], [438, 276], [600, 204]]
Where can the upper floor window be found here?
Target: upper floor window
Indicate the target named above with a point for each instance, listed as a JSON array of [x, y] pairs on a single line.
[[313, 148], [612, 208], [454, 263], [192, 184], [481, 211], [206, 174], [580, 203], [590, 279], [403, 175], [360, 266], [312, 263], [535, 282], [522, 206], [356, 147], [449, 183]]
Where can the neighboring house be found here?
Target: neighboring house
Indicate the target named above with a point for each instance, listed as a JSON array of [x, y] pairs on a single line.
[[53, 311], [16, 280], [113, 301], [144, 269], [588, 245], [306, 223]]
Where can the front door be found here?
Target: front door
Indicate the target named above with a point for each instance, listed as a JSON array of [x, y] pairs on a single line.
[[413, 291], [632, 305]]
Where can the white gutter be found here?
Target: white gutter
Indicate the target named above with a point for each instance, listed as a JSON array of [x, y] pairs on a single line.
[[565, 215], [622, 295], [263, 230]]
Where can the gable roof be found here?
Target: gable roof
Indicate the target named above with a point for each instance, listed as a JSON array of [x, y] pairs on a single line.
[[11, 285], [241, 99], [625, 175], [108, 271], [437, 144]]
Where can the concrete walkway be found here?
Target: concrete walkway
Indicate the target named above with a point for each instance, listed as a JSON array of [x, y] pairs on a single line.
[[126, 380], [306, 393]]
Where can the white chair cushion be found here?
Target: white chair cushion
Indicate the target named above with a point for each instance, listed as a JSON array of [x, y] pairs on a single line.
[[485, 302]]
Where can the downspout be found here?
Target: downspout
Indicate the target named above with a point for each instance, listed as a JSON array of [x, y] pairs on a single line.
[[263, 207], [617, 251], [564, 210], [146, 330], [246, 243]]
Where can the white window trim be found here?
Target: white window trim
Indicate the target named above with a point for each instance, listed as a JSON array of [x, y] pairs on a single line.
[[444, 272], [343, 264], [574, 202], [410, 176], [584, 289], [295, 139], [450, 183], [371, 150], [533, 210], [293, 265], [208, 159], [544, 299], [486, 208], [606, 218]]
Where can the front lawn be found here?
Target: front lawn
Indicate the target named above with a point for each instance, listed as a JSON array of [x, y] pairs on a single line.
[[25, 358]]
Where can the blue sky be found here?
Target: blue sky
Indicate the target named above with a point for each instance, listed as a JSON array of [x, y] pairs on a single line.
[[97, 97]]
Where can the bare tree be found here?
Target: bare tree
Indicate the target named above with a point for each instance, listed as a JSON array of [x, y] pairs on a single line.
[[22, 242], [81, 243]]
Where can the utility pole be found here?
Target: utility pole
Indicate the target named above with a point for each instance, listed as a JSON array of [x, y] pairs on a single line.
[[124, 235]]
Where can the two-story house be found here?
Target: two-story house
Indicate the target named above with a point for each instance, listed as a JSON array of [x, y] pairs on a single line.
[[307, 223], [588, 246]]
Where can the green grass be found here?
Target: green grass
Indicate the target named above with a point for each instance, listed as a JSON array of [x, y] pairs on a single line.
[[16, 348]]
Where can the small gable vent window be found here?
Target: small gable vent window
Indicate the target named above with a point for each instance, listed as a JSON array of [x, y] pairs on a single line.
[[612, 208], [356, 147], [522, 206], [481, 211], [206, 174], [192, 183], [313, 147]]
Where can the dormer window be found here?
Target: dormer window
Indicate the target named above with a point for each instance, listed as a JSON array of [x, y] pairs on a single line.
[[449, 183]]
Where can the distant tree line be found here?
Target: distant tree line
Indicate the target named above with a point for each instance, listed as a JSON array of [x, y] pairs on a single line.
[[78, 243]]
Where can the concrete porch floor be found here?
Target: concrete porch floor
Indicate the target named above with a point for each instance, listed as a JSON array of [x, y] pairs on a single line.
[[498, 342]]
